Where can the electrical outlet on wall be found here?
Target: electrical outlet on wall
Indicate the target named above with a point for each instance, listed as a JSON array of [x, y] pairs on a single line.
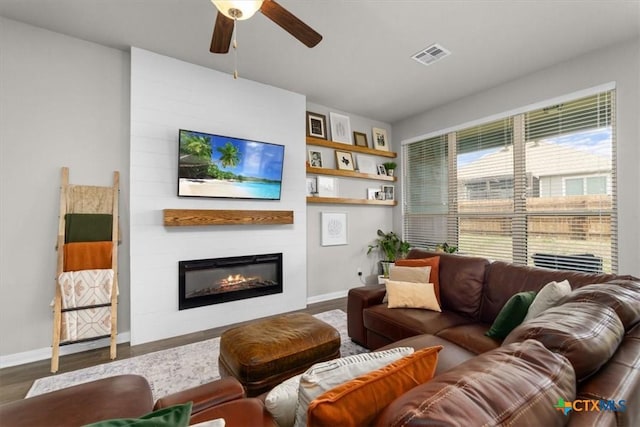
[[359, 271]]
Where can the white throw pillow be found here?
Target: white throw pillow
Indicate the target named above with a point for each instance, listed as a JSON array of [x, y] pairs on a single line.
[[408, 274], [548, 296], [324, 376], [281, 402], [412, 295]]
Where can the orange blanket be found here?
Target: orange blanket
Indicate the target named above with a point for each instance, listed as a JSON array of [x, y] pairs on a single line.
[[87, 255]]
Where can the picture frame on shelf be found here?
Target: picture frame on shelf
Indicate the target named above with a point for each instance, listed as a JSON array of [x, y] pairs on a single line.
[[334, 228], [388, 192], [327, 186], [381, 169], [316, 125], [312, 186], [372, 193], [340, 128], [366, 164], [360, 139], [315, 158], [344, 160], [380, 141]]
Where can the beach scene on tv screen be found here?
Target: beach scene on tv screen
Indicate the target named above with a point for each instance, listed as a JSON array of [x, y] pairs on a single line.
[[221, 166]]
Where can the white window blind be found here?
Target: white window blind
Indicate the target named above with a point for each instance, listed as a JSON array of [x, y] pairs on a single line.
[[536, 188], [426, 195], [485, 181], [569, 154]]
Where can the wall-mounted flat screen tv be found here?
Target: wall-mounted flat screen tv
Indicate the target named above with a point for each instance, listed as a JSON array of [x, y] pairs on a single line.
[[223, 166]]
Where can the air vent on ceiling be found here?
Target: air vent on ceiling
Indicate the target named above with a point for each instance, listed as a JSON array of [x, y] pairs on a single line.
[[433, 53]]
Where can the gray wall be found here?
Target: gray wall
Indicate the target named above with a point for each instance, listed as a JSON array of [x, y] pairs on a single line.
[[621, 64], [332, 270], [64, 102]]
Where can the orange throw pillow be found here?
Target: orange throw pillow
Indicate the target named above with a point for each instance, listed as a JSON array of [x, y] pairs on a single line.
[[434, 276], [372, 392]]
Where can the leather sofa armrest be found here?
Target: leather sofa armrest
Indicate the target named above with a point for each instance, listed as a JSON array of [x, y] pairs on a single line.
[[241, 412], [205, 396], [358, 299]]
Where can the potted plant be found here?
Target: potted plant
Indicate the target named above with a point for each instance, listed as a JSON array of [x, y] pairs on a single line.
[[445, 247], [391, 247], [390, 167]]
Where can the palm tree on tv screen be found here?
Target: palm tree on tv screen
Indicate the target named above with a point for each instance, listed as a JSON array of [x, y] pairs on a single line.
[[196, 145], [230, 155]]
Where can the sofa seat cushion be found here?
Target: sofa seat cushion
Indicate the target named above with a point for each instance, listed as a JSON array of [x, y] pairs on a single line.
[[587, 334], [471, 337], [623, 296], [399, 323], [513, 385], [617, 381], [449, 357]]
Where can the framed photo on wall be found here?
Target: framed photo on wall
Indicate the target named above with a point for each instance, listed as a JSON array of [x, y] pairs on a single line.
[[360, 139], [340, 128], [315, 159], [389, 192], [316, 125], [344, 160], [380, 141], [334, 228]]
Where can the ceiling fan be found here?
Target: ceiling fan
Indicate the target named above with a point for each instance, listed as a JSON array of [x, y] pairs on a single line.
[[229, 11]]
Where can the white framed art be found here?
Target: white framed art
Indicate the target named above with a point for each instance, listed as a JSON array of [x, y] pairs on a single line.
[[334, 228], [380, 141], [327, 186], [366, 164], [340, 128]]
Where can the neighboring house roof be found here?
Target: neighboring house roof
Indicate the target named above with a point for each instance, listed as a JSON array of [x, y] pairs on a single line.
[[543, 159]]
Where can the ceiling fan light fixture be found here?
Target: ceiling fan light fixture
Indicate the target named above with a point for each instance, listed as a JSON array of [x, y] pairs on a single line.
[[238, 9]]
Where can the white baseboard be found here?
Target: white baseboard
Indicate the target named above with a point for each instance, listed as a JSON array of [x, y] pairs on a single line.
[[327, 297], [45, 352]]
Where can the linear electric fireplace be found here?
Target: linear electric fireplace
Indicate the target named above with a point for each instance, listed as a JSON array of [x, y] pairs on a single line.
[[218, 280]]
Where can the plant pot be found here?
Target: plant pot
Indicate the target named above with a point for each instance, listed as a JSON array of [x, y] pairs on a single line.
[[386, 267], [390, 172]]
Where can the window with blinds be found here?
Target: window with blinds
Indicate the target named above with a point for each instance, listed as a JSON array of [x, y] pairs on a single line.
[[426, 195], [536, 188]]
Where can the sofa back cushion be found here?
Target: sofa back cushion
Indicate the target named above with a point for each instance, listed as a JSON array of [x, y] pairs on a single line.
[[504, 280], [517, 384], [461, 281], [586, 333], [623, 296]]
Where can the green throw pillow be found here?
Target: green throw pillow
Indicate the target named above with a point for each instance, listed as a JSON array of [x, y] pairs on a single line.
[[173, 416], [511, 315]]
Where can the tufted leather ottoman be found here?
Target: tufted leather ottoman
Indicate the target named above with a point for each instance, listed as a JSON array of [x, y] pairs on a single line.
[[263, 354]]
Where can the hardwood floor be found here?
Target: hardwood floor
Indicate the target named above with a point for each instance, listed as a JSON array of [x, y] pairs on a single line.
[[15, 381]]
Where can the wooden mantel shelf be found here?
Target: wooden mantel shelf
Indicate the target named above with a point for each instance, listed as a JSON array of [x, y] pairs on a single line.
[[195, 217]]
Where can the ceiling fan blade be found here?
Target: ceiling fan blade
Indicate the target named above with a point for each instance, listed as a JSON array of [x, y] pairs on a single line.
[[290, 23], [222, 33]]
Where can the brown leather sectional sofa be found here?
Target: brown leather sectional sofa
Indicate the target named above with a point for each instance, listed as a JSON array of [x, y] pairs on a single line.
[[584, 351]]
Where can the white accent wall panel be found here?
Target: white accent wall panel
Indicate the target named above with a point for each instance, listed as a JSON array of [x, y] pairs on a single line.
[[168, 95]]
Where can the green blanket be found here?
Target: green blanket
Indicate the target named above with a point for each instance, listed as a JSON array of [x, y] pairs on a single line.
[[88, 227]]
